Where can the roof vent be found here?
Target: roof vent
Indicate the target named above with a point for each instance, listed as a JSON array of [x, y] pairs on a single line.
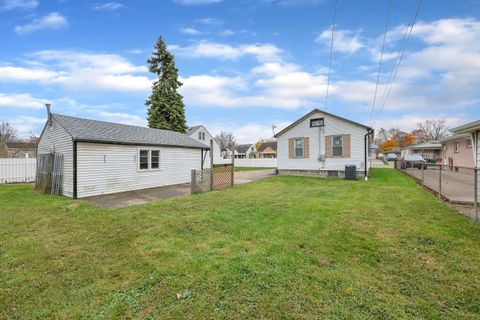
[[49, 114]]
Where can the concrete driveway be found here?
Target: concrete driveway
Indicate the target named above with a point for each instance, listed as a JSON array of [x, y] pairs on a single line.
[[129, 198], [252, 175]]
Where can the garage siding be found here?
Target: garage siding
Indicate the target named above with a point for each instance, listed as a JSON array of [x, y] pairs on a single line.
[[56, 139], [333, 126], [108, 168]]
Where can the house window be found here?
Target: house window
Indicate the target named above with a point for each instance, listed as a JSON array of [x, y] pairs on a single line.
[[143, 162], [337, 146], [155, 159], [298, 148], [201, 136], [469, 143], [318, 122], [455, 146]]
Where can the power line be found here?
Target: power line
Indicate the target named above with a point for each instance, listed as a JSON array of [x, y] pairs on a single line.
[[381, 59], [399, 58], [331, 52]]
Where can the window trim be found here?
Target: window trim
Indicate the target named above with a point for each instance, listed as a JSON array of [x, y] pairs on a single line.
[[295, 148], [149, 150], [317, 119], [467, 143], [333, 145]]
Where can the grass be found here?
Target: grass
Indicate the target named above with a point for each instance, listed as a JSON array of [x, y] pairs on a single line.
[[250, 168], [283, 247]]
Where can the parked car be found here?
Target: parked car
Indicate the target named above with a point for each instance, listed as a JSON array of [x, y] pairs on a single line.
[[414, 161], [391, 157]]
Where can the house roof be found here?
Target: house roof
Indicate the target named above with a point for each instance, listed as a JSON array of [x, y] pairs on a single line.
[[321, 111], [242, 148], [193, 129], [466, 128], [108, 132], [456, 137], [373, 146], [427, 145], [265, 145]]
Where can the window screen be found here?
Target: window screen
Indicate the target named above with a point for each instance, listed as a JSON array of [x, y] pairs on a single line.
[[155, 159], [143, 163], [337, 146]]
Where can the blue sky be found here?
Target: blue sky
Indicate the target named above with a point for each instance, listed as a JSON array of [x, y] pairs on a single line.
[[246, 65]]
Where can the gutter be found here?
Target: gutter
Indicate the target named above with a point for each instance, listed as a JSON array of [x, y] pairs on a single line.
[[367, 150], [75, 143]]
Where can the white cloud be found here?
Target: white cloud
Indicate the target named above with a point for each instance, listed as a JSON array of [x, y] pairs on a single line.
[[124, 118], [29, 74], [197, 2], [53, 21], [19, 4], [345, 41], [190, 31], [108, 6], [82, 71], [227, 33], [21, 100], [210, 21], [205, 49]]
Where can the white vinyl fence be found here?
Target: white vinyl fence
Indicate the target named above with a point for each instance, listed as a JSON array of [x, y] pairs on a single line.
[[15, 170], [254, 163]]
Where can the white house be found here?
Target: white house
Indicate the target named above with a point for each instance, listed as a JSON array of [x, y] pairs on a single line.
[[244, 151], [103, 157], [473, 129], [201, 134], [322, 144]]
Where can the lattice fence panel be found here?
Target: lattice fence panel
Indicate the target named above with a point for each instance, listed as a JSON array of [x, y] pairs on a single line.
[[201, 180], [49, 177]]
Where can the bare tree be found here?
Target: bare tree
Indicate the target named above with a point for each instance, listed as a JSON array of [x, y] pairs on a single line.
[[226, 140], [434, 129], [8, 132]]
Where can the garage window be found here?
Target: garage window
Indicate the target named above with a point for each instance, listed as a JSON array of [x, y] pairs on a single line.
[[148, 159], [143, 159], [155, 159]]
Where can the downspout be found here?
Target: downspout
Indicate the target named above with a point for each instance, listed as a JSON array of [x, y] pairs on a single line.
[[75, 169], [369, 132]]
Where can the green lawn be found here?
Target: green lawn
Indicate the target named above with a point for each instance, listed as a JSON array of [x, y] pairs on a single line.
[[251, 168], [283, 247]]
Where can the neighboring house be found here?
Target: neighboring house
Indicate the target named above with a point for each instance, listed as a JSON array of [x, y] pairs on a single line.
[[457, 150], [201, 134], [244, 151], [322, 144], [429, 150], [373, 151], [267, 150], [103, 157], [18, 150], [473, 129]]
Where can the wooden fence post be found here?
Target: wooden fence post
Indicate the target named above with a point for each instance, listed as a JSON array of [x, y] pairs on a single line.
[[192, 185]]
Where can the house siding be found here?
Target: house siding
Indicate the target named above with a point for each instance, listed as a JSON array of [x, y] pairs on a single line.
[[217, 156], [119, 171], [333, 126], [463, 158], [56, 139]]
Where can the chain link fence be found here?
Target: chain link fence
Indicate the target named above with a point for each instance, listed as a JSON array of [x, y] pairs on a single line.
[[457, 185]]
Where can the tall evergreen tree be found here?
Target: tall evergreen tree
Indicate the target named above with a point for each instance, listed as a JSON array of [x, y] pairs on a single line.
[[165, 105]]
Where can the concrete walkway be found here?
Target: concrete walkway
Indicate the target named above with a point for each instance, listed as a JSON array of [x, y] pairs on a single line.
[[252, 175], [130, 198]]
